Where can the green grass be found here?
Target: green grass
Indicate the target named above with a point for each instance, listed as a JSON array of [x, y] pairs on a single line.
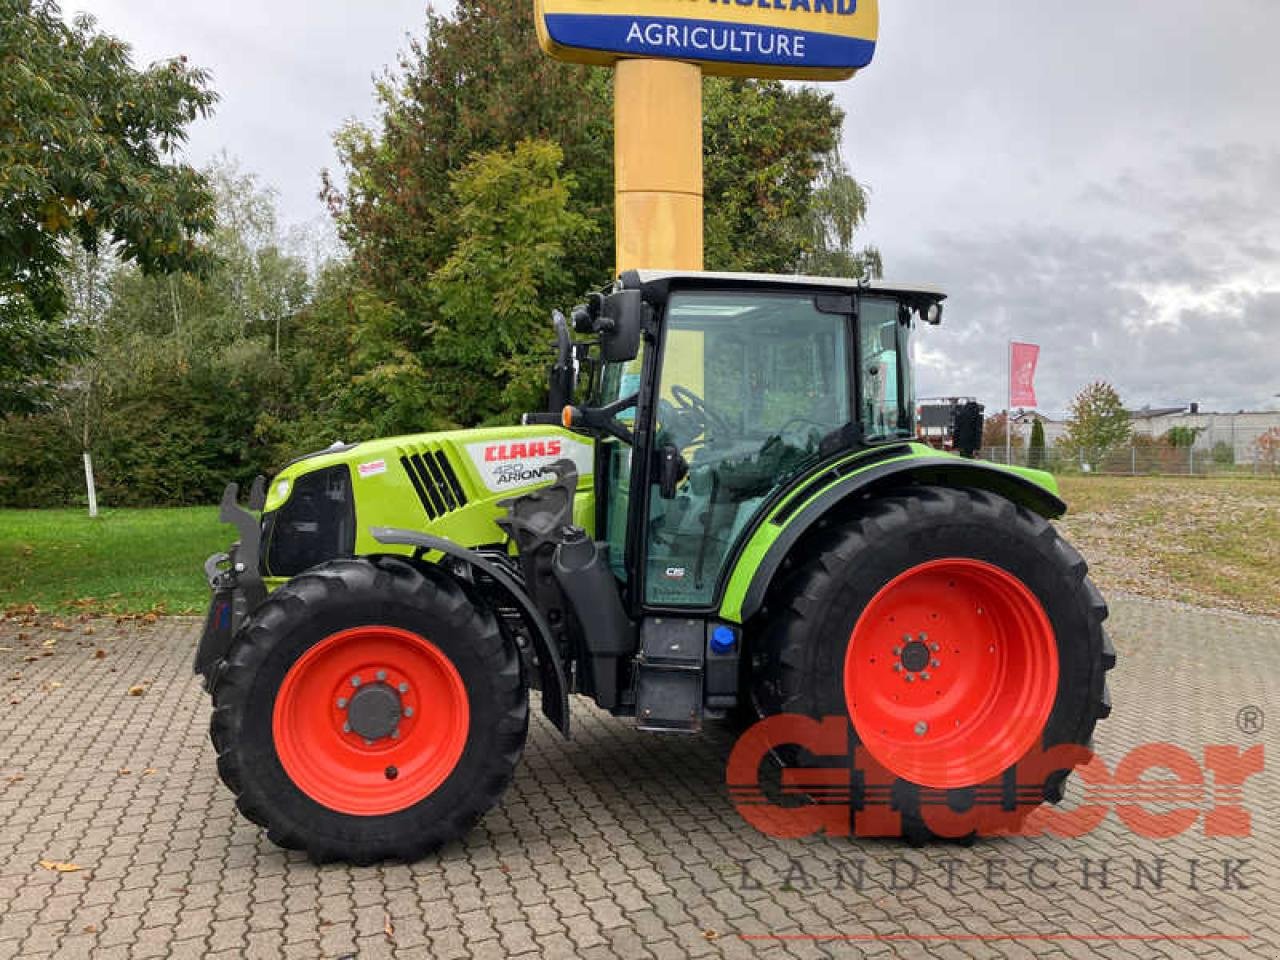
[[1212, 542], [125, 561]]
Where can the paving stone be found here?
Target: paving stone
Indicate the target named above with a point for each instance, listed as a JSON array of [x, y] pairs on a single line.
[[616, 844]]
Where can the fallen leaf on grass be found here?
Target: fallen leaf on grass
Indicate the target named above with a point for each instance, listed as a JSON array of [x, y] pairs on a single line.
[[52, 641], [137, 690], [90, 928], [99, 654], [124, 771], [89, 631], [60, 866], [15, 778], [149, 771], [52, 685], [710, 935], [387, 928]]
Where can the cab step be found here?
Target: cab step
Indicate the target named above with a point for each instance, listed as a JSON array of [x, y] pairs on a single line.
[[669, 675]]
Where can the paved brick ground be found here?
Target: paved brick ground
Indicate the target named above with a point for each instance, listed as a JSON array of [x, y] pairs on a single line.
[[617, 844]]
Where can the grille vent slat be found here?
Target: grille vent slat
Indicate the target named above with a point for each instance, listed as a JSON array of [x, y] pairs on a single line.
[[454, 484], [434, 480]]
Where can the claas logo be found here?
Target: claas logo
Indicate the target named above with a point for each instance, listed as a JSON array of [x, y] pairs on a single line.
[[500, 452]]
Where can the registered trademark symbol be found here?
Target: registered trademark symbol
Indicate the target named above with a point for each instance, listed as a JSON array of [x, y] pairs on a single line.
[[1250, 720]]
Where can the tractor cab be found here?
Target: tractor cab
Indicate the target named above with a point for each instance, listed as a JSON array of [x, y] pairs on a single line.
[[726, 387]]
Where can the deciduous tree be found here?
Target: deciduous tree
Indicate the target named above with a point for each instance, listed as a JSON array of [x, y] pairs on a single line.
[[1098, 423], [86, 142]]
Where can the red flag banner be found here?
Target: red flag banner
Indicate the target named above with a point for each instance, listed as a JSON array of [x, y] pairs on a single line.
[[1022, 374]]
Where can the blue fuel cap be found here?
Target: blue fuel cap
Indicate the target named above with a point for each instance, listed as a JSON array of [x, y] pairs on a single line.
[[723, 640]]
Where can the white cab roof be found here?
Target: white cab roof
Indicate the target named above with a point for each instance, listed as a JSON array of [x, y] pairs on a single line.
[[848, 283]]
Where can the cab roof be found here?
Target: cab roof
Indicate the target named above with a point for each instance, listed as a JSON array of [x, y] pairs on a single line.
[[661, 280]]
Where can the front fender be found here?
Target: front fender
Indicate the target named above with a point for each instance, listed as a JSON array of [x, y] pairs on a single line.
[[555, 692]]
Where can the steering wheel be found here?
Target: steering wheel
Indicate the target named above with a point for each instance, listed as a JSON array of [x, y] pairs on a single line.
[[688, 401], [822, 428]]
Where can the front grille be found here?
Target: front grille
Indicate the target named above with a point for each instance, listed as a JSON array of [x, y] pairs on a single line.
[[433, 479]]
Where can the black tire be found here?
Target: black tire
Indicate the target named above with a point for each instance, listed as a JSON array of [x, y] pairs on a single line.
[[797, 661], [340, 595]]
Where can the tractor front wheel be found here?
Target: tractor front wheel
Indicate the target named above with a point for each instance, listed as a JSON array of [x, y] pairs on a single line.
[[369, 711], [957, 632]]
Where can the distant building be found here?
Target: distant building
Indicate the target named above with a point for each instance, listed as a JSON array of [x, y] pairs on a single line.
[[1023, 420], [1235, 431]]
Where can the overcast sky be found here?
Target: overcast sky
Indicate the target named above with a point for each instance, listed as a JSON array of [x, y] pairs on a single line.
[[1101, 178]]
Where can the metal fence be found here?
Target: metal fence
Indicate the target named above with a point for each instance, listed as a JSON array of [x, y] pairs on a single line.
[[1139, 460]]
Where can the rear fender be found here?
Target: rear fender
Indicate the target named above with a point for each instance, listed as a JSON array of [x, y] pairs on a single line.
[[779, 534], [555, 692]]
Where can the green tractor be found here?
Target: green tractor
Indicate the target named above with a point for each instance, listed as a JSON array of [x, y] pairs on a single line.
[[725, 512]]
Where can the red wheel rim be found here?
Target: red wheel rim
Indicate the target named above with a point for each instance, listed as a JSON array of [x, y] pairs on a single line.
[[421, 726], [951, 673]]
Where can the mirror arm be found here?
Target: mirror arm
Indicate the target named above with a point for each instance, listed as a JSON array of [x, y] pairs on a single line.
[[602, 419]]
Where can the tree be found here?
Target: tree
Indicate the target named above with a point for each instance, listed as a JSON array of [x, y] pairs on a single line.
[[1266, 448], [83, 144], [777, 195], [994, 433], [510, 259], [192, 379], [1036, 457], [1098, 423], [1181, 438]]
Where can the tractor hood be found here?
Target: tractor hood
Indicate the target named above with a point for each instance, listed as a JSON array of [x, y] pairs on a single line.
[[449, 484]]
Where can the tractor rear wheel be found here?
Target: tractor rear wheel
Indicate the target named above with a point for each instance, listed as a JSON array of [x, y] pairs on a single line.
[[369, 711], [957, 632]]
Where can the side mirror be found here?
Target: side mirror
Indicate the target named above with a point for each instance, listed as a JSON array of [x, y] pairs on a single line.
[[620, 323]]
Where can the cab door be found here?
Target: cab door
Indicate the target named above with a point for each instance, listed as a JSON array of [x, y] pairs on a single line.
[[750, 383]]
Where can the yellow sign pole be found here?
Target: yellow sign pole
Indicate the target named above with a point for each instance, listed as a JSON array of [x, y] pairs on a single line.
[[658, 164]]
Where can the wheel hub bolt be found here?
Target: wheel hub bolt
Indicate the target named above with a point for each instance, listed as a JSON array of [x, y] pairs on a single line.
[[925, 676], [897, 668], [382, 674], [408, 711], [346, 728], [395, 734], [897, 651], [404, 688], [935, 664], [924, 638], [921, 728], [934, 647], [355, 681], [342, 702], [910, 678]]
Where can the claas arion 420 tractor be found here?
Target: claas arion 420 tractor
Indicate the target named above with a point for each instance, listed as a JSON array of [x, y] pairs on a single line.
[[724, 512]]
